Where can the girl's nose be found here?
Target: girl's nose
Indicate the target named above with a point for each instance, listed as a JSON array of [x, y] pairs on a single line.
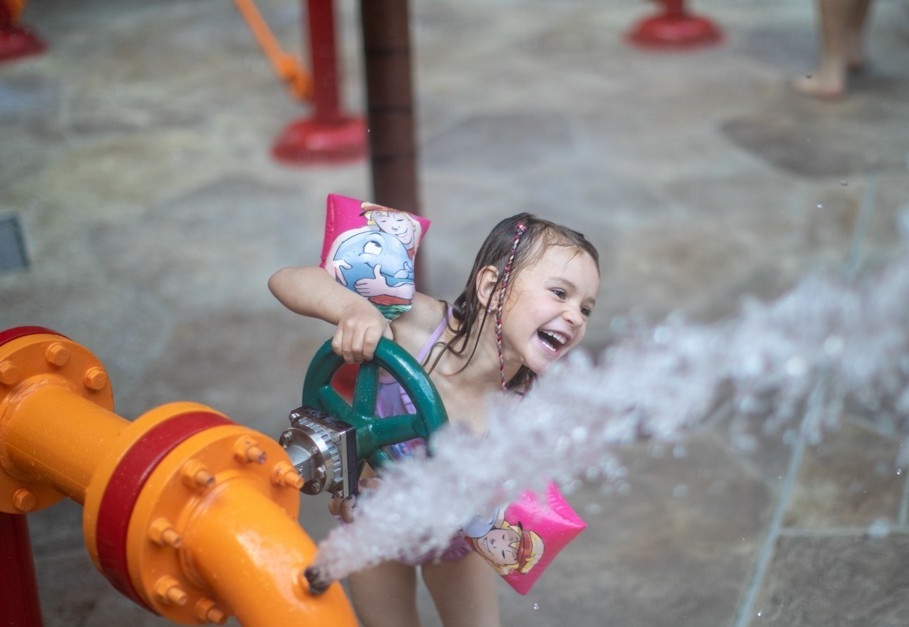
[[574, 316]]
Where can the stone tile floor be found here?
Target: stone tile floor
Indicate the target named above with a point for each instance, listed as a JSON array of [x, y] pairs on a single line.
[[134, 154]]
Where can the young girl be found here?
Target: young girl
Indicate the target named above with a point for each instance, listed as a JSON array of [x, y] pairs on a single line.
[[526, 304]]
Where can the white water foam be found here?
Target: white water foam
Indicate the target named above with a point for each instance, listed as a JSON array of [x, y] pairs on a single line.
[[827, 342]]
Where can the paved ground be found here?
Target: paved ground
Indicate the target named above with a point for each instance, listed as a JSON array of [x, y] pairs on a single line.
[[135, 157]]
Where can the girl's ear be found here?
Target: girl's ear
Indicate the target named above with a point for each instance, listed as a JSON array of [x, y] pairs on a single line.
[[487, 278]]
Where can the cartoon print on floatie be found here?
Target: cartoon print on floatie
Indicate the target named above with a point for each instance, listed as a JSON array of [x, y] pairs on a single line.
[[507, 546], [370, 249], [520, 540]]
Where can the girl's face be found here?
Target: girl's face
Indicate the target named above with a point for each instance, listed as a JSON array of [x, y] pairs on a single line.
[[548, 305]]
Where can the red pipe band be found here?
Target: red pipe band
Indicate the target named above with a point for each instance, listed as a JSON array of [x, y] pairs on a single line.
[[16, 332]]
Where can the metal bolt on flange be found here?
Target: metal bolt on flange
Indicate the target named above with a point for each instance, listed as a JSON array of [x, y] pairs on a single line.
[[95, 379], [247, 451], [196, 475], [57, 354], [163, 533], [9, 373], [207, 610], [168, 591], [286, 476], [24, 500]]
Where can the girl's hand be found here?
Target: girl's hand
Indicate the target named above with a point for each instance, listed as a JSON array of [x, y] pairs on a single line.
[[359, 330], [345, 509]]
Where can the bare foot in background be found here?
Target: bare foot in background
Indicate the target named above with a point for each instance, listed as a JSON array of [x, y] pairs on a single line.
[[826, 85], [841, 26]]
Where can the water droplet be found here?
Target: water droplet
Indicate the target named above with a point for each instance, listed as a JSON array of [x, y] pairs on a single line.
[[880, 528], [661, 335], [844, 182], [833, 345], [536, 605], [820, 205], [796, 366]]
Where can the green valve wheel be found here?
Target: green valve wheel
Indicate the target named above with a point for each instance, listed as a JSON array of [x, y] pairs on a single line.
[[374, 432]]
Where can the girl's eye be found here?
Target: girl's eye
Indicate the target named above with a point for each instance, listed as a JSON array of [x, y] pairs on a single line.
[[559, 293], [586, 311]]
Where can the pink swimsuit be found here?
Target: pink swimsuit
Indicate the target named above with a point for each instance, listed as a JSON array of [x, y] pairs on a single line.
[[392, 400]]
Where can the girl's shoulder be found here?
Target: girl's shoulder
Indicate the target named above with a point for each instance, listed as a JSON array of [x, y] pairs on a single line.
[[413, 328]]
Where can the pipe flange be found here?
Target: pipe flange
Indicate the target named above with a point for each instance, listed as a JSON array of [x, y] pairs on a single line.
[[177, 491], [32, 357]]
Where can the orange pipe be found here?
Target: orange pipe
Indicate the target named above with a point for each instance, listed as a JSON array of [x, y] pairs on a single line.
[[231, 537], [286, 66], [59, 436], [187, 513]]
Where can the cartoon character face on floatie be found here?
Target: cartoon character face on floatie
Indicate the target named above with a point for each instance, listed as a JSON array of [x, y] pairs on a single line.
[[507, 546], [398, 223], [377, 266]]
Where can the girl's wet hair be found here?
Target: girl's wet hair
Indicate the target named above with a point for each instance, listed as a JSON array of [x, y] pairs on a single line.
[[467, 310]]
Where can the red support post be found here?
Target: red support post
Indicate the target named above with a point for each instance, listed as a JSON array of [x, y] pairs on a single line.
[[327, 136], [15, 40], [674, 28], [19, 604]]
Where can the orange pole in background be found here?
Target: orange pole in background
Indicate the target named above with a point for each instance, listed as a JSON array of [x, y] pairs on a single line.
[[286, 66], [192, 516]]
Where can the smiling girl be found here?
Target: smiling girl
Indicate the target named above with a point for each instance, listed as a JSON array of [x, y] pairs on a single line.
[[526, 304]]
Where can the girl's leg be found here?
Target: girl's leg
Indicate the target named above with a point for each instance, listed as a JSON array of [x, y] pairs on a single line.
[[841, 24], [465, 592], [385, 595], [856, 17], [829, 80]]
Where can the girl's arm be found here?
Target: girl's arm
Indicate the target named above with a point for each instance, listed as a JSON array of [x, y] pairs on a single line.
[[313, 292]]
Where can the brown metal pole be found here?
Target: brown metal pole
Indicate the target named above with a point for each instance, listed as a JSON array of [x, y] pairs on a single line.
[[389, 102]]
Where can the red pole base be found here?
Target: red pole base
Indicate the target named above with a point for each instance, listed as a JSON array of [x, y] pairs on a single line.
[[318, 142], [17, 42], [669, 31]]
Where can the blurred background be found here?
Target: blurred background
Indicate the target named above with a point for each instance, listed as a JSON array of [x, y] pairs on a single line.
[[142, 212]]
